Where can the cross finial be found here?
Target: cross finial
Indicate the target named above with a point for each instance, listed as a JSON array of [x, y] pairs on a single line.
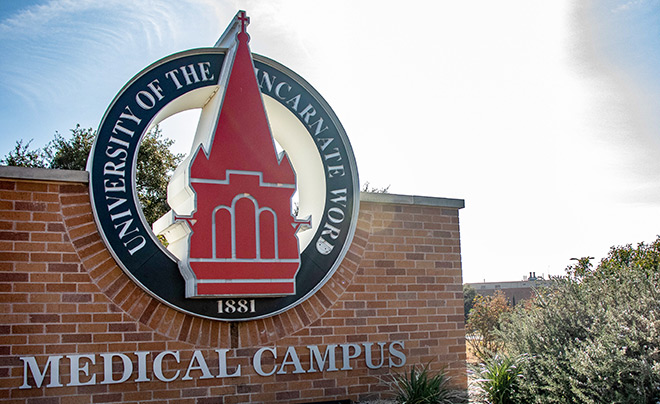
[[244, 20]]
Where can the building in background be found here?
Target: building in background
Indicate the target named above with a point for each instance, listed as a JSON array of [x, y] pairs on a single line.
[[515, 291]]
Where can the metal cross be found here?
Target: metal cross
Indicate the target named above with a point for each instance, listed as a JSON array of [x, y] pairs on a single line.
[[244, 19]]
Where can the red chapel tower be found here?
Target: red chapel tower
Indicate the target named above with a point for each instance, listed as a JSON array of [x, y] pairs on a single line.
[[242, 238]]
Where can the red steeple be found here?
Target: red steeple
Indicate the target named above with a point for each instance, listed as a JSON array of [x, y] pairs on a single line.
[[242, 138], [242, 234]]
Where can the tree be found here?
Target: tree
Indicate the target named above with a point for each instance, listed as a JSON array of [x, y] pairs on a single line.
[[469, 294], [70, 154], [594, 336], [367, 187], [155, 163], [22, 156], [484, 322]]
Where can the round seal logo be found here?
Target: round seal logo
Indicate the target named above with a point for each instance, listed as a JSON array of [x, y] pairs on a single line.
[[265, 205]]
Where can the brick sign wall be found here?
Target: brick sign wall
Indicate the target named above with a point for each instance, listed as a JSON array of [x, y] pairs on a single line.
[[76, 329]]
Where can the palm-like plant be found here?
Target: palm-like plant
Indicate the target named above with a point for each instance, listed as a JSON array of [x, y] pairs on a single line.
[[420, 386]]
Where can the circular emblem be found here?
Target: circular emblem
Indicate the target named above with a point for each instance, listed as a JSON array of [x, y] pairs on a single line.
[[239, 249]]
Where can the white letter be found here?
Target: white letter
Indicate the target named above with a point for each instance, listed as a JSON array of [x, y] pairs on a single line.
[[120, 128], [278, 90], [222, 364], [315, 356], [346, 349], [269, 84], [190, 73], [118, 201], [136, 248], [130, 116], [341, 196], [155, 88], [397, 354], [54, 365], [197, 356], [142, 366], [324, 142], [336, 155], [172, 75], [158, 366], [293, 102], [76, 369], [291, 358], [367, 355], [118, 186], [330, 230], [127, 366], [143, 104], [338, 218], [307, 112], [204, 69], [319, 127], [111, 168], [119, 142], [257, 361], [336, 170], [124, 227]]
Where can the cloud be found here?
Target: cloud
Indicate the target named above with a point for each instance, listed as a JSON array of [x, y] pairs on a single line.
[[627, 6], [62, 45]]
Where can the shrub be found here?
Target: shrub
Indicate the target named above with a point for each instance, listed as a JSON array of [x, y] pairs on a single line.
[[483, 322], [595, 336], [421, 387], [497, 380]]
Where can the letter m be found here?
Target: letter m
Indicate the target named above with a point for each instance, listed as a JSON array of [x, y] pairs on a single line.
[[315, 356], [30, 363]]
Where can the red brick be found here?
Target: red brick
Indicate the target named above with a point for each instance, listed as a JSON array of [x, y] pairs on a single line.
[[13, 277], [14, 256], [45, 257], [7, 185], [75, 199], [30, 206], [14, 235], [56, 267], [82, 218], [73, 189], [47, 237], [44, 318], [82, 231], [76, 338]]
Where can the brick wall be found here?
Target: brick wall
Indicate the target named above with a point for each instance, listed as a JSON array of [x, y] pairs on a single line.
[[63, 294]]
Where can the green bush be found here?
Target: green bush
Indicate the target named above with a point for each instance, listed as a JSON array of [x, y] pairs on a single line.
[[497, 380], [422, 387], [595, 336]]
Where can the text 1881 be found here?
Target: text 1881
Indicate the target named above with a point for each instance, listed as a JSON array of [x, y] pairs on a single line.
[[230, 306]]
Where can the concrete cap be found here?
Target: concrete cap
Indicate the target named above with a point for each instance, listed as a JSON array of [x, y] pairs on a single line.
[[411, 200], [43, 174]]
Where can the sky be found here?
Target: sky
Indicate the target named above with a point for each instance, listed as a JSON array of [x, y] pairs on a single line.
[[542, 115]]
